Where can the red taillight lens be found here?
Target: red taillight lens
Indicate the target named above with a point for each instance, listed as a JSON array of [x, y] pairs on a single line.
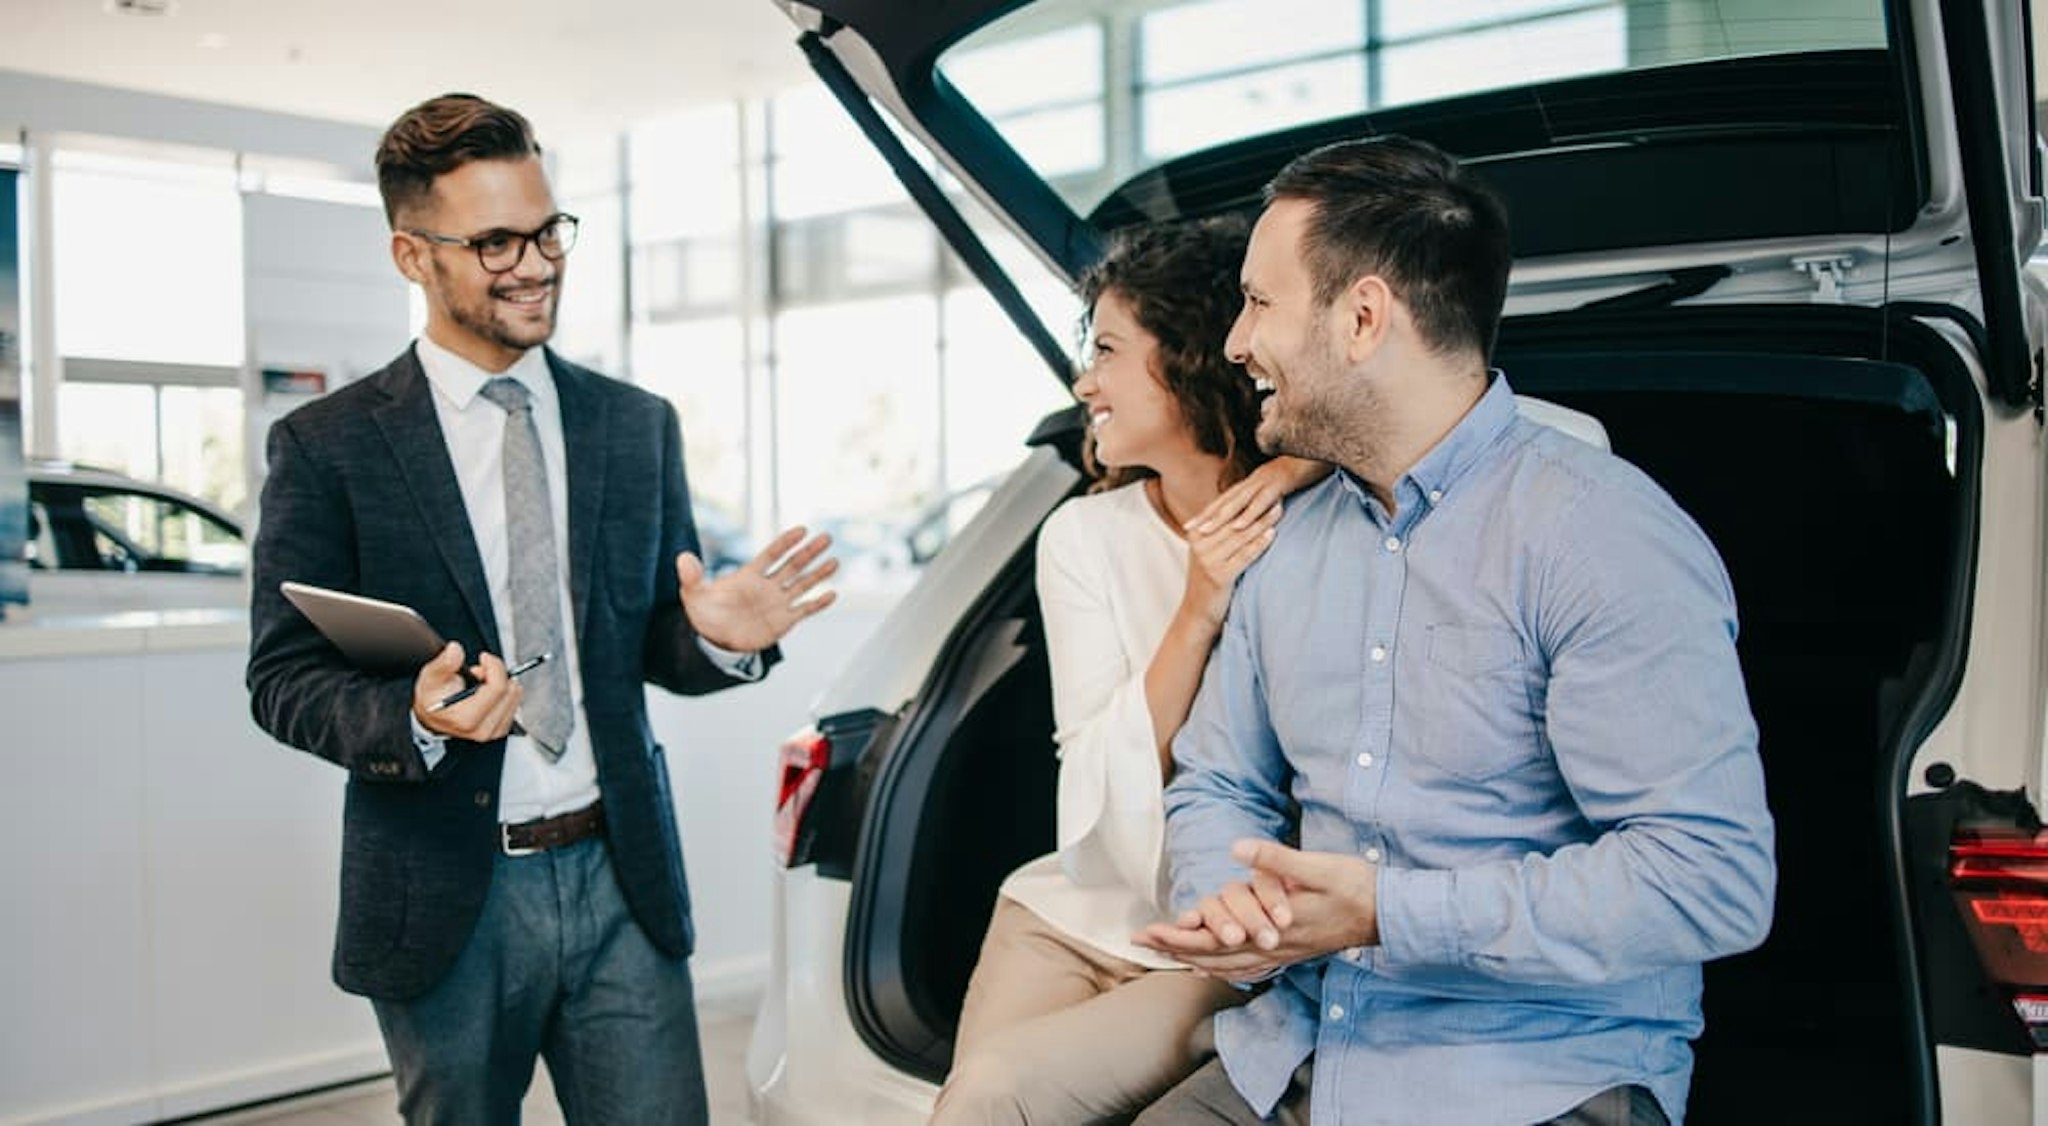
[[2000, 881], [805, 756]]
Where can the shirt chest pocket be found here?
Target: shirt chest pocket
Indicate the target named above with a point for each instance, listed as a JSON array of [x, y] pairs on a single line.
[[1476, 713]]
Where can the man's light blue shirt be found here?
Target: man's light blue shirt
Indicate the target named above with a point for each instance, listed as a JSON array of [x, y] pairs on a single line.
[[1518, 696]]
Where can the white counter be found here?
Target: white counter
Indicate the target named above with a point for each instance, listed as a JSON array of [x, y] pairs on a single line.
[[171, 881], [25, 635], [170, 875]]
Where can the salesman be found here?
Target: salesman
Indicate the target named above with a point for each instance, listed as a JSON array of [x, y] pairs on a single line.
[[512, 882]]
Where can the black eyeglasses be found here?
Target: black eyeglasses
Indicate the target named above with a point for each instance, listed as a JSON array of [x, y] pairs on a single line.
[[499, 251]]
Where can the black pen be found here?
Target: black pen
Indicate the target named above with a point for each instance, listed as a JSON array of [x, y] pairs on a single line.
[[466, 693]]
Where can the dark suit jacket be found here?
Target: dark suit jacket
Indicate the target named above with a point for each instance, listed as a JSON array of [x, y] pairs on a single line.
[[361, 496]]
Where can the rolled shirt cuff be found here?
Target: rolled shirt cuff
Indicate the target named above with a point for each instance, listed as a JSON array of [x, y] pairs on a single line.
[[1418, 920]]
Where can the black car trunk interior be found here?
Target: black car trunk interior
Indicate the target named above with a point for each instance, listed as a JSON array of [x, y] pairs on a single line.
[[1818, 461]]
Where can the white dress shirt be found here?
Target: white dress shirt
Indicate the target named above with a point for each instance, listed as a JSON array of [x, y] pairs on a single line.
[[1110, 576], [473, 427]]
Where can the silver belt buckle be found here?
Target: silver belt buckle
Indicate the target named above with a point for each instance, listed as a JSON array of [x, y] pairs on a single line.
[[505, 842]]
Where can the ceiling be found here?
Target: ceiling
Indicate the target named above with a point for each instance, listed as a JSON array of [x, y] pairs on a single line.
[[567, 64], [570, 65]]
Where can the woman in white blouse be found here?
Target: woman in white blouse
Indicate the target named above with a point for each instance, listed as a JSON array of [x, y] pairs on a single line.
[[1065, 1020]]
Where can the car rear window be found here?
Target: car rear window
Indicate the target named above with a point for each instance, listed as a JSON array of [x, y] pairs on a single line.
[[1092, 93]]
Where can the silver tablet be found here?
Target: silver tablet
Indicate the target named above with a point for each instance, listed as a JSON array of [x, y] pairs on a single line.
[[375, 635]]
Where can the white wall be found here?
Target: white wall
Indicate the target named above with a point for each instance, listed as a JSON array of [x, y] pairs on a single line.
[[319, 294]]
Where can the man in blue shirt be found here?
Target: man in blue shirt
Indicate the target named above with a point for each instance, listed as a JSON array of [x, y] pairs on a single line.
[[1485, 679]]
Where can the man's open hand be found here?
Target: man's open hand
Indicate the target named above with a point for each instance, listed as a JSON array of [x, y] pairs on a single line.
[[751, 608]]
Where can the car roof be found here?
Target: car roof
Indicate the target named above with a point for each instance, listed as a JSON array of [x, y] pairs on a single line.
[[53, 472]]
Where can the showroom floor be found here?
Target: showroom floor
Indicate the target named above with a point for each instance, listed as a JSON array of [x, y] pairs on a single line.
[[725, 1023]]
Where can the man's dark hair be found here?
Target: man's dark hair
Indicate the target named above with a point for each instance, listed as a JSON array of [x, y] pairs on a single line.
[[1181, 283], [440, 135], [1409, 212]]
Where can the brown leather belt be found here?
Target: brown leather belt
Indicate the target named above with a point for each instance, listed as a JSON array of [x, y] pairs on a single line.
[[529, 837]]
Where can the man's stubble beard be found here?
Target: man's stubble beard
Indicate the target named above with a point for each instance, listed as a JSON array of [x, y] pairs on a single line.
[[483, 321], [1333, 416]]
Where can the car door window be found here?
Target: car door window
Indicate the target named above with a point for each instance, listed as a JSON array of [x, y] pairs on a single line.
[[137, 531]]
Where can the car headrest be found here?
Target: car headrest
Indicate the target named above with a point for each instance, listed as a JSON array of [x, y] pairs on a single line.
[[1578, 424]]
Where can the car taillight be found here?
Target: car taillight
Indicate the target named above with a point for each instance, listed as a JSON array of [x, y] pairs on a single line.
[[805, 756], [2000, 881]]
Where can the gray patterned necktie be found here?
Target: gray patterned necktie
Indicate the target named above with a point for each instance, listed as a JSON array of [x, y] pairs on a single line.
[[547, 713]]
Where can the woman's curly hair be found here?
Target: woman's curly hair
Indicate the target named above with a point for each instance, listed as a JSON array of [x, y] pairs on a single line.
[[1181, 283]]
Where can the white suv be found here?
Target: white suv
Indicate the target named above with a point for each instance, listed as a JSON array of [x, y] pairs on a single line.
[[1775, 249]]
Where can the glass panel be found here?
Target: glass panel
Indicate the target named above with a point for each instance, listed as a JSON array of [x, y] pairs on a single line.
[[1212, 71], [685, 174], [202, 444], [700, 366], [148, 268], [1674, 32], [115, 426], [996, 386], [589, 324], [857, 427], [1058, 142], [1193, 40], [1002, 78], [1587, 43], [884, 249], [1180, 119], [1406, 19], [1051, 301], [821, 162], [110, 426]]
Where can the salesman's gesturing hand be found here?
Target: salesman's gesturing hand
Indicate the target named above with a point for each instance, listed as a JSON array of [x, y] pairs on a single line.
[[751, 608]]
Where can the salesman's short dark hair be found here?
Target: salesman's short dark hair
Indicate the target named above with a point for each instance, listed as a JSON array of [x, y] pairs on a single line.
[[440, 135]]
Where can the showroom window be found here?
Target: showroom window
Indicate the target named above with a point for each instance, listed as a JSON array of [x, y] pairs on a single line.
[[186, 435], [148, 258], [1213, 71], [1045, 93], [686, 185], [1173, 78], [149, 318]]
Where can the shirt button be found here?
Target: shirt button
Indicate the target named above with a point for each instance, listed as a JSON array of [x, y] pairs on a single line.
[[1435, 495], [1373, 855], [1379, 653], [1336, 1012], [482, 798], [1365, 758], [1393, 543]]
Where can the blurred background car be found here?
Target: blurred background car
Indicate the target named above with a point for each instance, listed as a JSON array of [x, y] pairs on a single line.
[[935, 524], [721, 536], [101, 542]]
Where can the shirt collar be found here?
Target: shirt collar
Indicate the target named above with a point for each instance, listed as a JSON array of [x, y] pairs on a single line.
[[460, 382], [1432, 477]]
